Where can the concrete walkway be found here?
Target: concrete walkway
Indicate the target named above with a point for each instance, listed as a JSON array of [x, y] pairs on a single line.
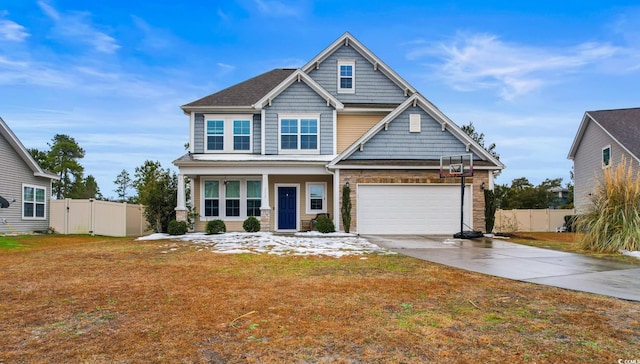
[[520, 262]]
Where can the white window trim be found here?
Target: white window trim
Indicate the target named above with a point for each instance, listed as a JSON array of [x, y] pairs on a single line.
[[602, 157], [222, 204], [34, 202], [352, 63], [298, 117], [308, 197], [228, 132]]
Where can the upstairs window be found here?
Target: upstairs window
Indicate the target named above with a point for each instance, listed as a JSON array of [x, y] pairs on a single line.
[[241, 135], [606, 156], [299, 134], [346, 76], [33, 202], [228, 133], [215, 134]]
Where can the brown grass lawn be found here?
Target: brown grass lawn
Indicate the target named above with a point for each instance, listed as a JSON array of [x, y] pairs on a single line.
[[80, 299]]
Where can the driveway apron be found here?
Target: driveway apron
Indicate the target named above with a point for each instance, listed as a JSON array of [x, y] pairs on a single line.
[[520, 262]]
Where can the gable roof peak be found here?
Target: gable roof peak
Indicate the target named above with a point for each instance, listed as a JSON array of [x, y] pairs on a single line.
[[348, 40]]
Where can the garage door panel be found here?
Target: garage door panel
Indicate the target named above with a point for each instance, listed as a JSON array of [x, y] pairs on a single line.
[[410, 209]]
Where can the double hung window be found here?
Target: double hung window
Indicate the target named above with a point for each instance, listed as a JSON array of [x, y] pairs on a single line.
[[254, 197], [33, 202], [215, 134], [299, 134], [346, 76], [316, 197], [228, 133], [211, 198], [606, 156], [233, 198]]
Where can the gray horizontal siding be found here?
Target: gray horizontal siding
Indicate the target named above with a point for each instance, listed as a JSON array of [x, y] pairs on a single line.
[[587, 163], [14, 173], [371, 86], [198, 138], [398, 143], [299, 98]]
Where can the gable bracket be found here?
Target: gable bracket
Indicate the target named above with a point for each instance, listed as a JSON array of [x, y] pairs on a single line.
[[269, 101], [375, 66], [415, 102], [361, 147], [346, 42], [468, 147], [444, 126], [328, 102], [318, 65], [298, 77], [386, 126]]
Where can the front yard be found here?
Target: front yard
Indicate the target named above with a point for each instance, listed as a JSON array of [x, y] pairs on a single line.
[[104, 300]]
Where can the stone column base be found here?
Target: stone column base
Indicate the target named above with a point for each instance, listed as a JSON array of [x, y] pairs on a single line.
[[265, 220], [181, 215]]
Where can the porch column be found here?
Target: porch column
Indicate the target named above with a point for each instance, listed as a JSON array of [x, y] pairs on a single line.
[[265, 209], [181, 208], [337, 192]]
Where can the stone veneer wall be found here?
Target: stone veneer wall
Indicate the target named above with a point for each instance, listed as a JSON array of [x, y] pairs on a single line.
[[413, 176]]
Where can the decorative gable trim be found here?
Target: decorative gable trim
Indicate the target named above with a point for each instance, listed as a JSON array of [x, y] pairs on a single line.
[[349, 40], [298, 76], [418, 100], [23, 153]]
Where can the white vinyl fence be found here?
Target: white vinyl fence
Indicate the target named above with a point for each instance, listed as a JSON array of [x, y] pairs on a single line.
[[509, 221], [91, 216]]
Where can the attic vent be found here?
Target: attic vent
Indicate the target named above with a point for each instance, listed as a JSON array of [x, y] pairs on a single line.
[[414, 123]]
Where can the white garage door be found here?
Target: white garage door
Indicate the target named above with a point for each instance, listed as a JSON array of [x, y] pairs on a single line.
[[411, 209]]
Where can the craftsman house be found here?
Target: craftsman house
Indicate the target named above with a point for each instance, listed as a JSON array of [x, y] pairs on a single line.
[[25, 188], [282, 145], [604, 137]]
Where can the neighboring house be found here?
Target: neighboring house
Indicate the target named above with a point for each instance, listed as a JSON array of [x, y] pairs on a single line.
[[603, 139], [24, 184], [282, 145]]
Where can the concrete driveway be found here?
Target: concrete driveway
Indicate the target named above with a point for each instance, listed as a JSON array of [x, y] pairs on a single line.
[[520, 262]]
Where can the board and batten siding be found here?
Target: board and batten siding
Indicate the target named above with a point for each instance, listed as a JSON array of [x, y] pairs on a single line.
[[299, 99], [199, 133], [587, 163], [16, 173], [352, 127], [371, 85], [398, 143]]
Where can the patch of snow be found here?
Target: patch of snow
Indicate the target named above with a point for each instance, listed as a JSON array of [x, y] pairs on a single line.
[[635, 254], [311, 243]]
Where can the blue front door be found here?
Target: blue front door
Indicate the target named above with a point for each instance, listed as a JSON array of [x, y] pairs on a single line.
[[287, 209]]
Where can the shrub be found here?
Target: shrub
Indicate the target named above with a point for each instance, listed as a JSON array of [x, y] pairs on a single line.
[[325, 225], [251, 224], [345, 209], [177, 227], [489, 210], [612, 222], [570, 223], [215, 227]]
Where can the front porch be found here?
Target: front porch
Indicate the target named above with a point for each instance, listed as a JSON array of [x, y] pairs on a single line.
[[283, 202]]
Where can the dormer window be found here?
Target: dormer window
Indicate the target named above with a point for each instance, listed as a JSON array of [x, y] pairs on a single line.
[[346, 76]]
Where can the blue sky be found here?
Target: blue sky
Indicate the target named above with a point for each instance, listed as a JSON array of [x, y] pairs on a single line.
[[113, 74]]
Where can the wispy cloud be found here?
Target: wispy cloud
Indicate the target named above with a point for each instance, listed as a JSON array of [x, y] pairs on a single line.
[[12, 31], [76, 27], [483, 61], [276, 8]]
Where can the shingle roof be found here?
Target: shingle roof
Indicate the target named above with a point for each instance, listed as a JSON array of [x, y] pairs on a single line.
[[623, 125], [245, 93]]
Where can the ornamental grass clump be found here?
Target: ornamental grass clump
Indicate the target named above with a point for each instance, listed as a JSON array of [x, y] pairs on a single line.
[[613, 222]]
